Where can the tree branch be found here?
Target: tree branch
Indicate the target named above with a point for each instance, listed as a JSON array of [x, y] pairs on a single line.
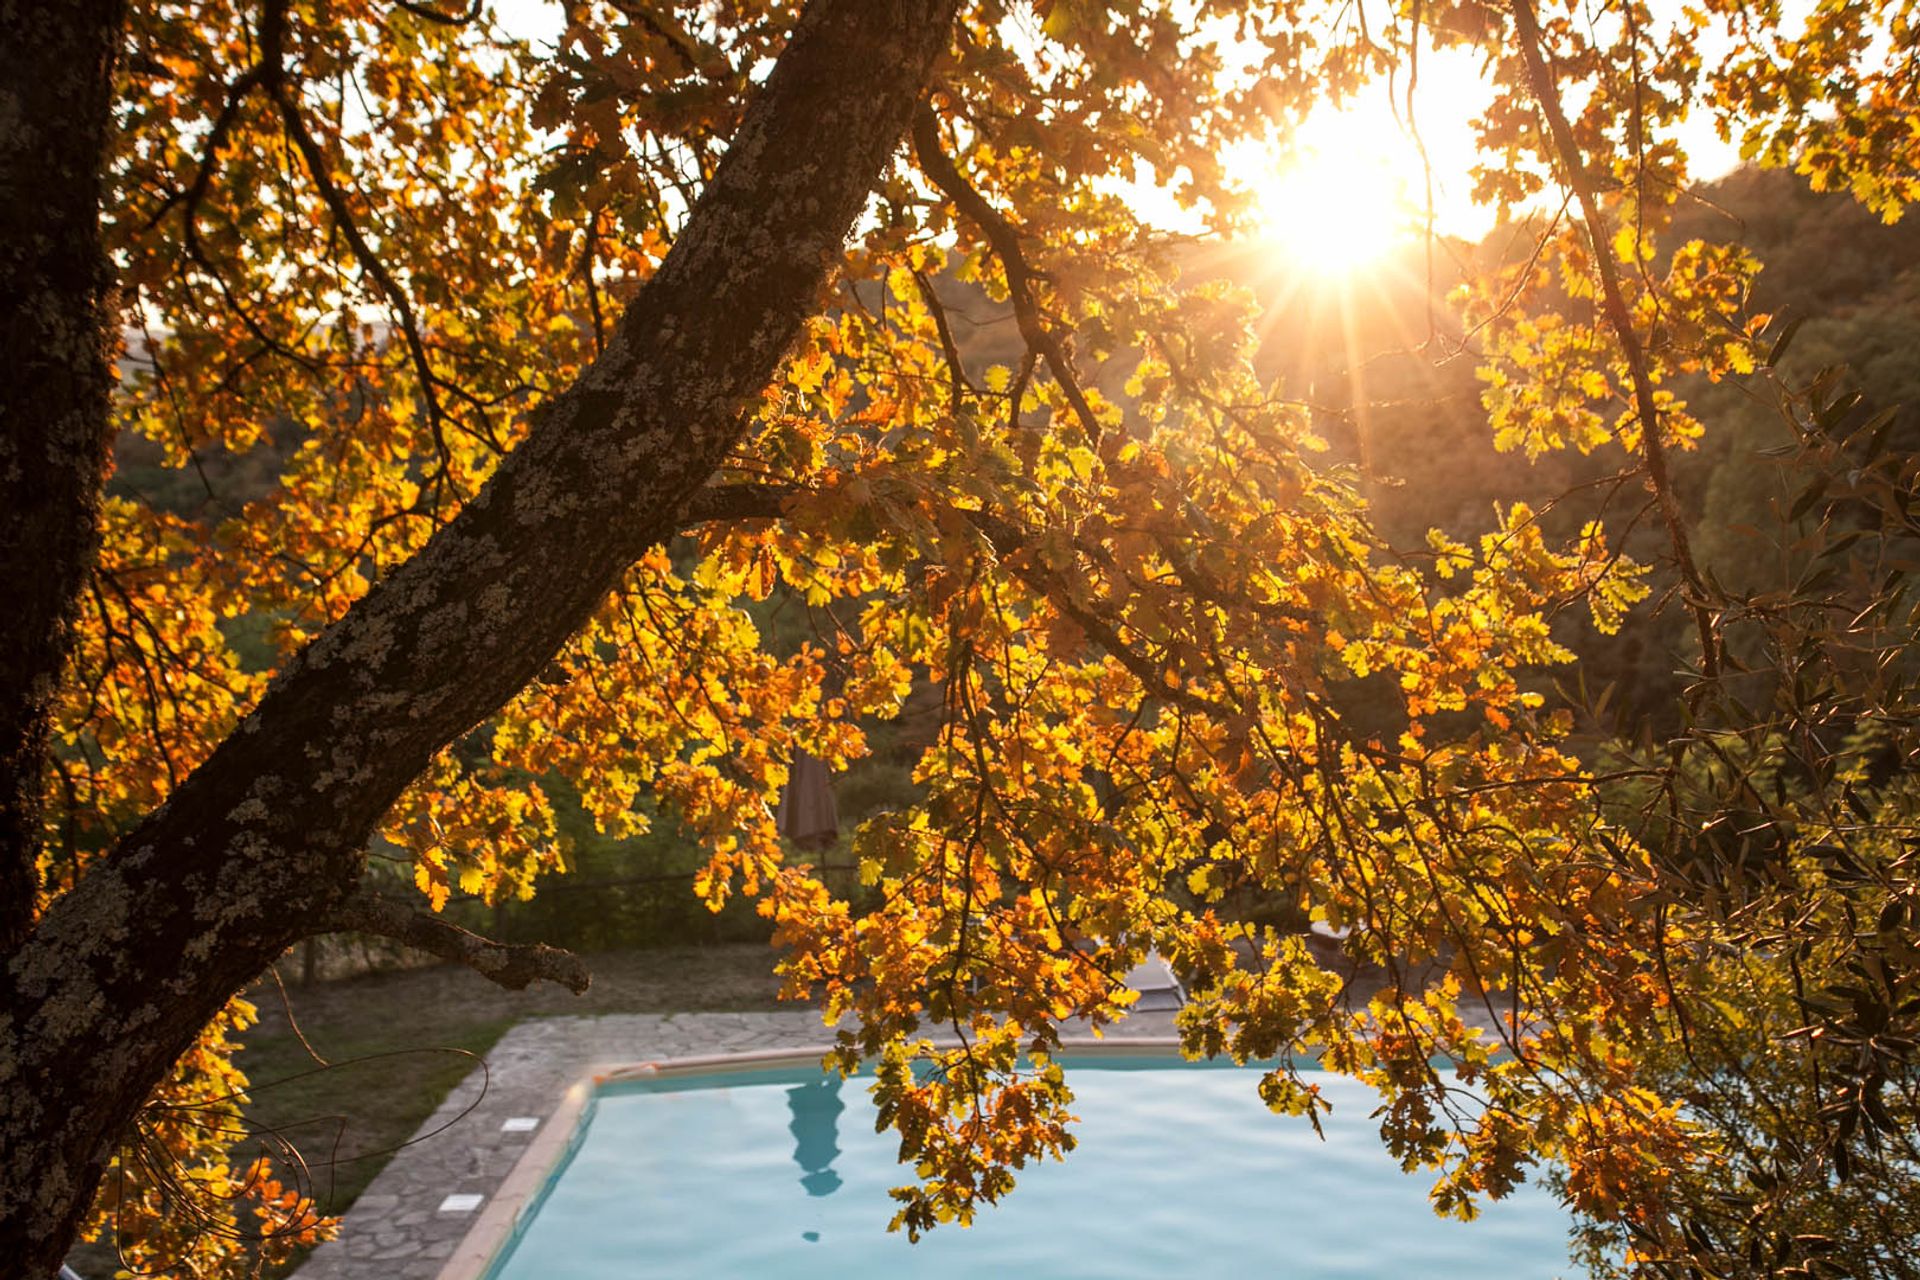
[[438, 16], [957, 380], [1547, 94], [320, 172], [1154, 676], [511, 965], [726, 503], [1005, 242]]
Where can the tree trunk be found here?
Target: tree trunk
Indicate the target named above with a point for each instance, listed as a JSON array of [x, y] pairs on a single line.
[[267, 838], [56, 86]]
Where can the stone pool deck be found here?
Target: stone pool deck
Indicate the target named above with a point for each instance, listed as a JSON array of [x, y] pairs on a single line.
[[399, 1230]]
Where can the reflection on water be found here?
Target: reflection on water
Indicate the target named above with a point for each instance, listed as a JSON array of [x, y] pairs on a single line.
[[1181, 1171], [816, 1109]]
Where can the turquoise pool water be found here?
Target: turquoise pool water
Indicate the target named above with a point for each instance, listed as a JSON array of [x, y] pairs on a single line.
[[1180, 1172]]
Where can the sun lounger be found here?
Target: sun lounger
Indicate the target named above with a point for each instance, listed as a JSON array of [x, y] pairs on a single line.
[[1153, 979]]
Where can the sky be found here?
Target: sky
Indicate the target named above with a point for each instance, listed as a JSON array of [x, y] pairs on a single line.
[[1364, 149], [1372, 148]]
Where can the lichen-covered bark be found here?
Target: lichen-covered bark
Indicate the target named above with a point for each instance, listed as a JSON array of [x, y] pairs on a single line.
[[262, 844], [56, 80]]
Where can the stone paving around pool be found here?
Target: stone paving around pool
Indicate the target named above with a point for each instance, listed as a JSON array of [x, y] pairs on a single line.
[[413, 1216]]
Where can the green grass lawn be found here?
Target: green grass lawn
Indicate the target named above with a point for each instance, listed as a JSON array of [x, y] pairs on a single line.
[[392, 1055], [396, 1044], [392, 1062], [380, 1083]]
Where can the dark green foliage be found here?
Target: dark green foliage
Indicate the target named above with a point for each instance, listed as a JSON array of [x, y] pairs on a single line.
[[1781, 815], [619, 894]]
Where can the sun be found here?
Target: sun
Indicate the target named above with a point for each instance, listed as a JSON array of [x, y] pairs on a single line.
[[1334, 215], [1341, 201]]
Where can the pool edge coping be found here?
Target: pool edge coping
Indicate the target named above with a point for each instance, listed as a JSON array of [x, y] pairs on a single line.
[[499, 1222]]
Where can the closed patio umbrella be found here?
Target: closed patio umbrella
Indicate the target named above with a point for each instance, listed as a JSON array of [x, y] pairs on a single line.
[[807, 814]]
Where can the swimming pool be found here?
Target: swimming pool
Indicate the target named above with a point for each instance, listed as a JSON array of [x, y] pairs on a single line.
[[1180, 1171]]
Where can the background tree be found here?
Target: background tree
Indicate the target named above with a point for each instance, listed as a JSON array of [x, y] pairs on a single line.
[[378, 248]]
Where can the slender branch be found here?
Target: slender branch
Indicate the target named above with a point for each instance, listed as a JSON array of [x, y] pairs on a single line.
[[195, 194], [1018, 391], [335, 199], [438, 16], [956, 371], [1005, 241], [1153, 675], [511, 965], [669, 31], [1546, 92], [587, 255]]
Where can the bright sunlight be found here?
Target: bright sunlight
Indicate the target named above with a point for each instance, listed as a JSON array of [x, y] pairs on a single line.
[[1340, 202], [1358, 178], [1356, 181]]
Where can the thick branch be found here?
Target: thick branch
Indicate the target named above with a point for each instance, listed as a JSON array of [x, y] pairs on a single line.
[[724, 503], [1547, 93], [513, 966]]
